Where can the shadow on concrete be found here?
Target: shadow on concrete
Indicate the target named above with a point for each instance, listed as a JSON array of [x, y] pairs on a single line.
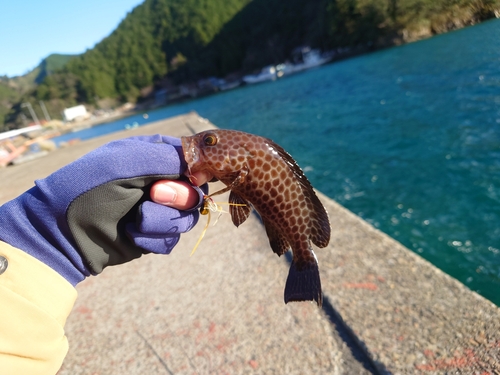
[[357, 348]]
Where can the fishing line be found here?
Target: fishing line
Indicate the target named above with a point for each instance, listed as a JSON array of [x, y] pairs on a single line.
[[210, 206]]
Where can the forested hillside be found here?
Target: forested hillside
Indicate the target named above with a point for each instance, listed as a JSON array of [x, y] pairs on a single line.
[[13, 89], [148, 44], [267, 31], [8, 95], [190, 39]]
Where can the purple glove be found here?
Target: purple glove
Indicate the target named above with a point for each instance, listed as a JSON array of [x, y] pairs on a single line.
[[96, 211]]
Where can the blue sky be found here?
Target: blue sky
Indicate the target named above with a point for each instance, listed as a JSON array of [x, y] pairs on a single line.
[[31, 30]]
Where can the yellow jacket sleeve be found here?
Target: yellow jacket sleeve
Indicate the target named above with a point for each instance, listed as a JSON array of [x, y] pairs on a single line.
[[34, 304]]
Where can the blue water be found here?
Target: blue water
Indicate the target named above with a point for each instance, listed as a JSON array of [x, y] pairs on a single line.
[[408, 138]]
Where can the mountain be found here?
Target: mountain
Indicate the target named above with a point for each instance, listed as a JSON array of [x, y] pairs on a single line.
[[36, 76], [13, 89], [8, 96], [145, 47], [267, 31], [152, 40], [51, 64], [185, 40]]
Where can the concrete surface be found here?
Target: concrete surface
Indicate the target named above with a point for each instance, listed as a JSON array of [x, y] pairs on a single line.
[[221, 311]]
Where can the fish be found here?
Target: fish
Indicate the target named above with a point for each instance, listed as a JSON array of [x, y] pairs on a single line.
[[262, 176]]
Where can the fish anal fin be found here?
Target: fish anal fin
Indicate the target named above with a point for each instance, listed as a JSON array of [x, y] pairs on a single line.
[[303, 283], [320, 227], [239, 209], [278, 242]]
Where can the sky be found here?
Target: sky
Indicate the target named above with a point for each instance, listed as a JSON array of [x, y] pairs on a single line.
[[31, 30]]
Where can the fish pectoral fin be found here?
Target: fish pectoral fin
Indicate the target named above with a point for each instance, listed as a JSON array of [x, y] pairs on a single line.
[[241, 177], [303, 283], [278, 242], [239, 209]]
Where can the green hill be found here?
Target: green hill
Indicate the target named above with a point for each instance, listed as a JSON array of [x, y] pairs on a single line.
[[36, 76], [141, 50], [190, 39], [8, 96], [51, 64], [267, 31], [12, 90]]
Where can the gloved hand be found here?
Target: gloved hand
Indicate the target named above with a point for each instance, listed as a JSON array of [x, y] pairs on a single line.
[[97, 212]]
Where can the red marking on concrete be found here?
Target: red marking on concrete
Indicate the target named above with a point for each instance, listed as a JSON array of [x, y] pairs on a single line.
[[368, 286], [182, 332], [130, 360], [260, 309], [429, 353], [83, 310], [459, 361], [164, 335], [212, 334], [254, 364], [199, 338]]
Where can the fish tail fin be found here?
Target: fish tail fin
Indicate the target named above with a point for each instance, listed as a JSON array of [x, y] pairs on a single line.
[[303, 283]]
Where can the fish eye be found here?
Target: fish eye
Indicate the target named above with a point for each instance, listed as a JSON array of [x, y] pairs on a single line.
[[210, 140]]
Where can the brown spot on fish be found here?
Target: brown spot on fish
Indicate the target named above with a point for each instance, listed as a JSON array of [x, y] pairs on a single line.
[[262, 175]]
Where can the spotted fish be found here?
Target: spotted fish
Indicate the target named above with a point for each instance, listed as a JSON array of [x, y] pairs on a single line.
[[262, 175]]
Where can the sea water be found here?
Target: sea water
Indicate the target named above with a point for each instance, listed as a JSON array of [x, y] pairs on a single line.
[[408, 138]]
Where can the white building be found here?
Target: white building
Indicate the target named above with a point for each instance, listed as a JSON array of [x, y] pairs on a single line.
[[78, 112]]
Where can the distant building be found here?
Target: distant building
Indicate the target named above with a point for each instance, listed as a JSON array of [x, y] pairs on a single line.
[[73, 113]]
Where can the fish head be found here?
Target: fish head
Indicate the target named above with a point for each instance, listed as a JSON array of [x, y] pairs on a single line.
[[219, 152]]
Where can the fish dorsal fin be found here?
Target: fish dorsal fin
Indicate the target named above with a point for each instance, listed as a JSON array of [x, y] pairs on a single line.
[[239, 209], [320, 224], [278, 242]]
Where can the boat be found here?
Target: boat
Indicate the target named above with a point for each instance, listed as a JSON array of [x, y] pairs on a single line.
[[16, 149], [229, 85], [268, 73], [311, 58], [284, 69]]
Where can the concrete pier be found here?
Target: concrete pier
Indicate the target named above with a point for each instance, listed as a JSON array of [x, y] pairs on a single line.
[[221, 311]]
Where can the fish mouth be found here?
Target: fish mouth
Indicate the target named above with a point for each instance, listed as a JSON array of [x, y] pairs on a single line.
[[191, 154], [190, 151]]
